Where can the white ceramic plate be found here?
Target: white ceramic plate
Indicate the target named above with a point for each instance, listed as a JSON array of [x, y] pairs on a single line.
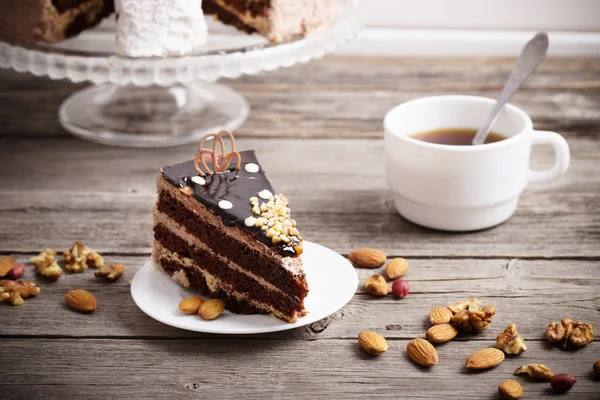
[[332, 282]]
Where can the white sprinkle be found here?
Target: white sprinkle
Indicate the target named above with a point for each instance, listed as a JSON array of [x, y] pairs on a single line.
[[252, 168], [250, 221], [265, 194], [199, 180], [225, 205]]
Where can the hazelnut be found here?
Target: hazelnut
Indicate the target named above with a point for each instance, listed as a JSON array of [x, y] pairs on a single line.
[[562, 383], [596, 367], [400, 288], [16, 272]]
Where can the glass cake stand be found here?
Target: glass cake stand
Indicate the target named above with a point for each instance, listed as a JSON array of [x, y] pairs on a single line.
[[153, 102]]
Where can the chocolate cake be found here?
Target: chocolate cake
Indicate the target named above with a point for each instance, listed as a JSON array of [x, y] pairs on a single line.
[[158, 28], [219, 228], [49, 21], [277, 20]]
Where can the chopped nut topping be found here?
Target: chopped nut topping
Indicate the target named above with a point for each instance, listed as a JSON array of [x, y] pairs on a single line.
[[46, 265], [80, 257], [537, 371], [16, 291], [570, 333], [510, 341], [187, 190], [110, 272], [273, 218]]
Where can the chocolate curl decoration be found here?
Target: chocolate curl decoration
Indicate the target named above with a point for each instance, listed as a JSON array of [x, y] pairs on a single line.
[[220, 159]]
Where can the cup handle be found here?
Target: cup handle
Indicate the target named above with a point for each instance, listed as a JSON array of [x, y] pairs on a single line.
[[562, 156]]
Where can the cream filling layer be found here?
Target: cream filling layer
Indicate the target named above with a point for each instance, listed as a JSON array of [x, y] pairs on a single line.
[[215, 284], [179, 230]]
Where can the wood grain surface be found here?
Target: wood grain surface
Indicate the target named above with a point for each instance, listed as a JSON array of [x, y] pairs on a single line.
[[540, 266]]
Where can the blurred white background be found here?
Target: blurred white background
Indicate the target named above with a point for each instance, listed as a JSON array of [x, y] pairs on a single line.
[[477, 27]]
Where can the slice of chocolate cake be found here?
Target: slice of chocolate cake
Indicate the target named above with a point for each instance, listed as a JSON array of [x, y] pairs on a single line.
[[277, 20], [220, 229], [49, 21]]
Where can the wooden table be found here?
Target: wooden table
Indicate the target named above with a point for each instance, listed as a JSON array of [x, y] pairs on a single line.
[[541, 266]]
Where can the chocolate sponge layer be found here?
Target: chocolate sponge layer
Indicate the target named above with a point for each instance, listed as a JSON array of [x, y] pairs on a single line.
[[214, 265], [259, 263]]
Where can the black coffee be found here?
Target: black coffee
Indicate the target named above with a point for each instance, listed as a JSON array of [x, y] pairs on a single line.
[[455, 136]]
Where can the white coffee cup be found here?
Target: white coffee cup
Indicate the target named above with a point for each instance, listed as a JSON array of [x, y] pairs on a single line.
[[462, 188]]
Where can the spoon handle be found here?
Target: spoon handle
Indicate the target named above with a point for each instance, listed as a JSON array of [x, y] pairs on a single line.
[[532, 55]]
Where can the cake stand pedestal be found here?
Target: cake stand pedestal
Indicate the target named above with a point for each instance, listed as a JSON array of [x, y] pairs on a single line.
[[152, 116], [155, 102]]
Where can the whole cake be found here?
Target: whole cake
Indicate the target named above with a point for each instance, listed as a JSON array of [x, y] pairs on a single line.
[[159, 28], [219, 228]]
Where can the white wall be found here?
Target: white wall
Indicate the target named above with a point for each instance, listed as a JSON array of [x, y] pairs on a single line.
[[577, 15], [476, 27]]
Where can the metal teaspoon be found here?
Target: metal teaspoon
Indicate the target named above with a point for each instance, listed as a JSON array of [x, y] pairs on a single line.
[[532, 55]]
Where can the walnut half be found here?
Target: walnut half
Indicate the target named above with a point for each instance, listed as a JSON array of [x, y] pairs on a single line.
[[467, 321], [80, 257], [110, 272], [537, 371], [470, 305], [570, 333], [46, 265], [16, 291], [510, 341]]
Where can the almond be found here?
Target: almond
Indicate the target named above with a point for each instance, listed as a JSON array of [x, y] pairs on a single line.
[[191, 305], [422, 352], [6, 264], [510, 389], [441, 333], [440, 315], [81, 300], [376, 285], [367, 258], [372, 342], [484, 359], [211, 309], [396, 268]]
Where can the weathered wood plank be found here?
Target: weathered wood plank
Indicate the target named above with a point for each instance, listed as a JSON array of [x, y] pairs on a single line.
[[250, 369], [529, 293], [78, 191], [348, 97]]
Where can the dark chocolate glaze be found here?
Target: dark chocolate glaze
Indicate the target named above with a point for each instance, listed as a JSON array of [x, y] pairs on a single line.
[[235, 187]]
